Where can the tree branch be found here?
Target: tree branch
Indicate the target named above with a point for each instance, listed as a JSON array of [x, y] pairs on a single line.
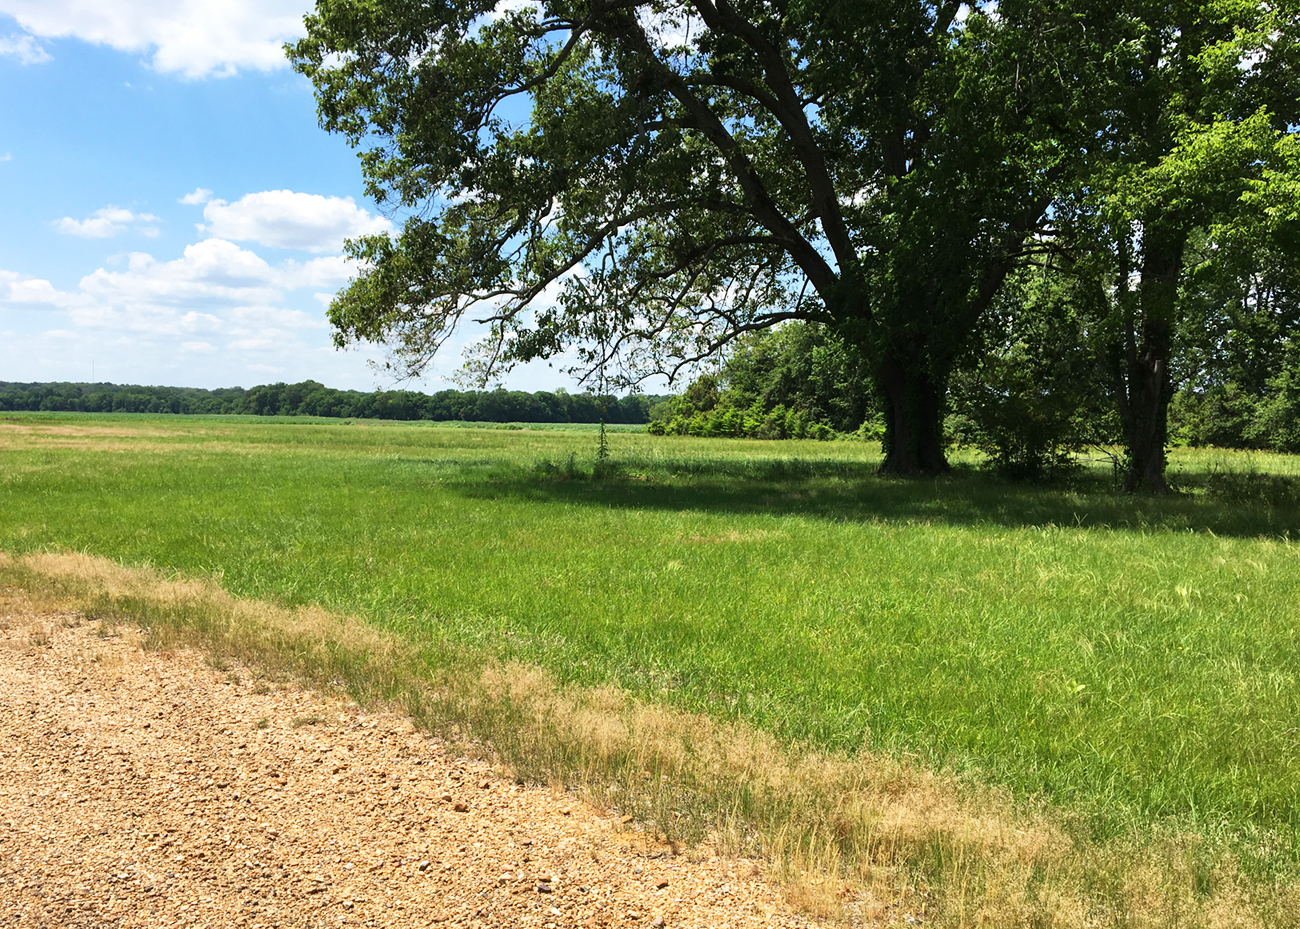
[[763, 208], [784, 104]]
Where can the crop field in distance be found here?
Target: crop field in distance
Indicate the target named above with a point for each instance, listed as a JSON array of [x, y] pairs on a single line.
[[1133, 660]]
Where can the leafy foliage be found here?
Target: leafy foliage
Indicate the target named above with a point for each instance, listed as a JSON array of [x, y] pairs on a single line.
[[639, 184], [797, 381], [1033, 394], [1196, 142]]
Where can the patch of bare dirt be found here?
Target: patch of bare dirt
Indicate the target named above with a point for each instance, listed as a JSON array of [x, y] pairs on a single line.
[[144, 788]]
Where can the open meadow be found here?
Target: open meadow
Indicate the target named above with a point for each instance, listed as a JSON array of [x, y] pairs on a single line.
[[1130, 665]]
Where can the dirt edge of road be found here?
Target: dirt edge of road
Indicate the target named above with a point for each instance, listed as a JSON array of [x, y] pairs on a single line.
[[151, 788]]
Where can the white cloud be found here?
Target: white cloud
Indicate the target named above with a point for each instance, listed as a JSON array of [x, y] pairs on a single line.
[[265, 328], [218, 306], [214, 287], [213, 276], [200, 322], [198, 197], [25, 49], [671, 32], [252, 318], [147, 318], [212, 270], [106, 223], [193, 38], [285, 219], [6, 157], [333, 271], [24, 290]]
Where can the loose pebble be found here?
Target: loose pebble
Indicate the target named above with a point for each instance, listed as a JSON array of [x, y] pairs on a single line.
[[149, 789]]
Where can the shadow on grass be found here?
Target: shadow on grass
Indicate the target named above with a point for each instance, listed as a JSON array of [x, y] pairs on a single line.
[[853, 491]]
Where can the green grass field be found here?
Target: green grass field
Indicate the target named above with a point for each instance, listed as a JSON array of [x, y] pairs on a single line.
[[1133, 659]]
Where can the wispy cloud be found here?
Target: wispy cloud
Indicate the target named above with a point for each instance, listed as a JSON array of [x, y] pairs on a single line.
[[215, 306], [108, 222], [198, 197], [214, 287], [25, 48]]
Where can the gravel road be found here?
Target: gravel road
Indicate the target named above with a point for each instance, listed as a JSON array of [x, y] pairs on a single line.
[[144, 788]]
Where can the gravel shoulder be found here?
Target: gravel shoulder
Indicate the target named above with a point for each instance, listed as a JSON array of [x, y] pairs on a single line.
[[143, 788]]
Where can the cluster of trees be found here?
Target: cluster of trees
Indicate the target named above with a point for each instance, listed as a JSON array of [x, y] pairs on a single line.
[[791, 382], [1038, 383], [314, 399], [640, 183]]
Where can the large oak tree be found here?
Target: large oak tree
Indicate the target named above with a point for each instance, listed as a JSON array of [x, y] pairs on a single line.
[[637, 183]]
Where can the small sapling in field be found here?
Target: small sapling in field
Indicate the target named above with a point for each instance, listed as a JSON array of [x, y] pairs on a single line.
[[602, 446]]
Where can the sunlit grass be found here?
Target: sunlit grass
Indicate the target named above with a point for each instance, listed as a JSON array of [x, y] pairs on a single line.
[[1132, 659]]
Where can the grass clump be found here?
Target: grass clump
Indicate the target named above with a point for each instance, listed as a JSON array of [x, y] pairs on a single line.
[[1253, 487]]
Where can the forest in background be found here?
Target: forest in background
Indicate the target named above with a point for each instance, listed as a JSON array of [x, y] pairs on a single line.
[[311, 398]]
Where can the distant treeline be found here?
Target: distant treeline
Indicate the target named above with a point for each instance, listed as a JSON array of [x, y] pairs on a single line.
[[314, 399]]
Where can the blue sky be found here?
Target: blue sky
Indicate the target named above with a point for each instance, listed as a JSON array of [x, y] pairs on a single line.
[[170, 212]]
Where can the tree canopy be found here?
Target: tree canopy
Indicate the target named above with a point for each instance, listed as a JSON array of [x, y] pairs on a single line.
[[311, 398], [633, 184], [638, 183]]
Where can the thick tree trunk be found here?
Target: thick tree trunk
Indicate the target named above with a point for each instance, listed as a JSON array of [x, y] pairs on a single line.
[[1147, 424], [1144, 387], [913, 422]]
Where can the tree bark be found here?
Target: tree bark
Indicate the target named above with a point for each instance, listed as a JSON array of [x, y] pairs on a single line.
[[1146, 428], [1144, 388], [913, 423]]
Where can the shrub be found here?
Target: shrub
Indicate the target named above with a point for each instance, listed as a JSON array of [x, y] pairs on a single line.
[[1276, 420], [1033, 398]]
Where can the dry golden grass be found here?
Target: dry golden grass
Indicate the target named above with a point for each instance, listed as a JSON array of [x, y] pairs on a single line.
[[90, 437], [107, 431], [109, 438], [98, 445], [867, 838]]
